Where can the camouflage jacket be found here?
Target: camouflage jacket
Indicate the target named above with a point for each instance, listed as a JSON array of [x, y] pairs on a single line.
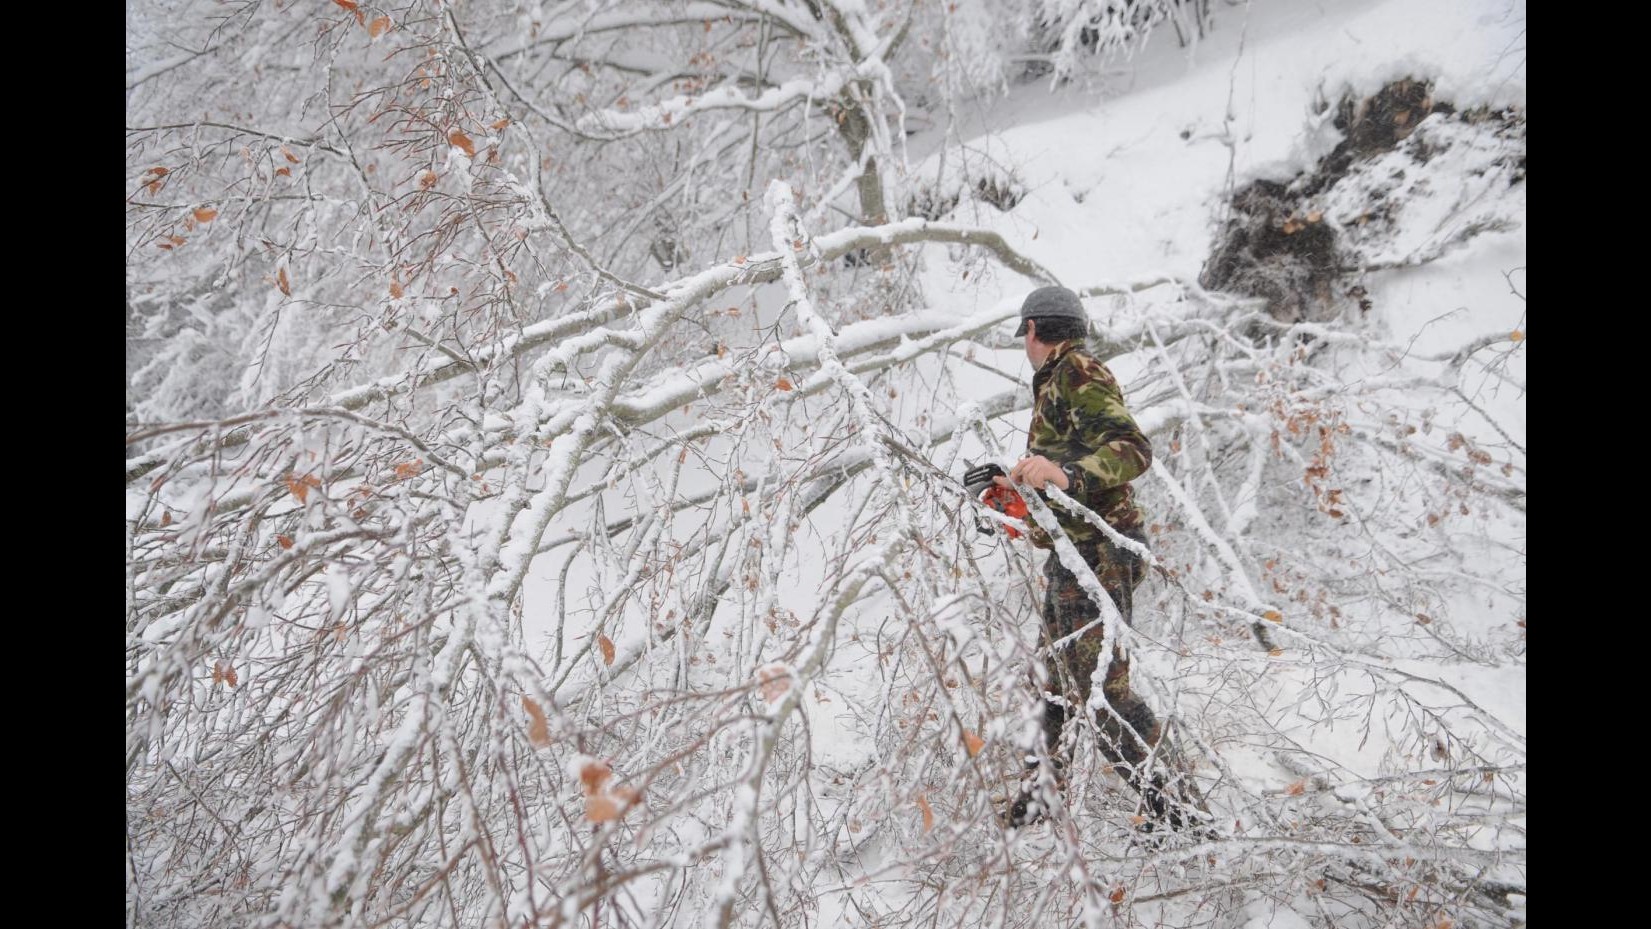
[[1079, 419]]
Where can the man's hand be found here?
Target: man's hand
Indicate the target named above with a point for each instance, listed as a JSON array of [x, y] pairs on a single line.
[[1036, 471]]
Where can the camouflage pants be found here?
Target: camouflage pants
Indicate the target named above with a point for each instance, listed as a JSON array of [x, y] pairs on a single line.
[[1128, 728]]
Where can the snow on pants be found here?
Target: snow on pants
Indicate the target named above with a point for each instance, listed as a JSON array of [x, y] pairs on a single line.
[[1128, 730]]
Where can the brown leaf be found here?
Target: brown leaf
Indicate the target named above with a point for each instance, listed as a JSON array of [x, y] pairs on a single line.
[[783, 384], [205, 214], [462, 142], [593, 775], [1423, 619], [1273, 616], [974, 742], [1275, 652], [289, 155], [501, 124], [773, 681], [285, 541], [606, 644], [928, 814], [395, 289], [158, 171], [166, 519], [282, 282], [1117, 895], [217, 672], [409, 469], [284, 172], [538, 731], [1297, 789], [600, 808], [378, 26], [347, 4], [1516, 336], [427, 180], [300, 486]]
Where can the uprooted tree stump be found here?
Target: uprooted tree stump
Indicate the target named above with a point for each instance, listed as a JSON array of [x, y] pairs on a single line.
[[1276, 246]]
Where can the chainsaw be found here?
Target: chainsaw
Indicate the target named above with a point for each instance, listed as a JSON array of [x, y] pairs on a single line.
[[1004, 500]]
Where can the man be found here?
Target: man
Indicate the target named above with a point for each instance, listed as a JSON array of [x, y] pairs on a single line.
[[1084, 441]]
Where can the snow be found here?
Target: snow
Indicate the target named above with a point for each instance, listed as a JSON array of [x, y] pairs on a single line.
[[1125, 176]]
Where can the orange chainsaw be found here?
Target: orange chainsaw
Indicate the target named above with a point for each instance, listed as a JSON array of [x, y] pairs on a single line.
[[1005, 500]]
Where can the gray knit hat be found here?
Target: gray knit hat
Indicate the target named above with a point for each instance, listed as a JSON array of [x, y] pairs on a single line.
[[1051, 302]]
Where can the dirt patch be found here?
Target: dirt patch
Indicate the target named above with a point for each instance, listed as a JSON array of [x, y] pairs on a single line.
[[1271, 249]]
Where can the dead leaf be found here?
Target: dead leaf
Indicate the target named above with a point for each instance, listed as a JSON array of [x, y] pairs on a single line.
[[928, 814], [282, 282], [289, 155], [600, 808], [409, 469], [1275, 652], [1516, 336], [300, 486], [1117, 895], [347, 4], [501, 124], [205, 214], [462, 142], [773, 681], [606, 645], [395, 290], [284, 541], [378, 26], [973, 742], [538, 731], [427, 180], [1297, 789], [593, 774], [158, 171], [284, 172], [1273, 616], [783, 384]]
